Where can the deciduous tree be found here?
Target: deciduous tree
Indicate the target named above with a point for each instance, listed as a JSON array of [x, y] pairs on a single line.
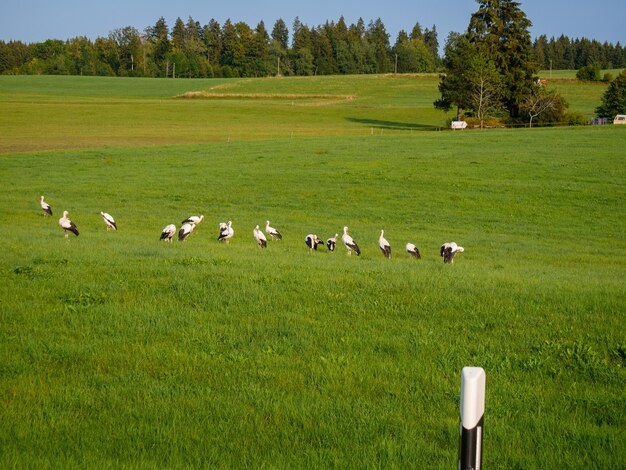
[[539, 101]]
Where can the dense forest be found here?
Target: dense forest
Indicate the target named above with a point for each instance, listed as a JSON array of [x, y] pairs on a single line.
[[237, 50]]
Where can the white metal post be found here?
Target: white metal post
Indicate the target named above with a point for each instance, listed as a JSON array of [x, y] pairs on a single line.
[[473, 382]]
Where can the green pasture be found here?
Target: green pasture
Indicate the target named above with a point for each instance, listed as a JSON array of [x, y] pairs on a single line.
[[41, 112], [117, 350]]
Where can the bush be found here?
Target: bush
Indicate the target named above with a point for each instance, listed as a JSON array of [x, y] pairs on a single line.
[[488, 122], [575, 119], [589, 72]]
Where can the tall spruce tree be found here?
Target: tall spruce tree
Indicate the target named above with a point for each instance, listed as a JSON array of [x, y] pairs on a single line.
[[432, 42], [378, 42], [158, 36], [280, 33], [499, 29]]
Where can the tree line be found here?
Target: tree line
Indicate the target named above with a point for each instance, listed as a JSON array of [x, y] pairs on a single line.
[[238, 50], [230, 50], [564, 53]]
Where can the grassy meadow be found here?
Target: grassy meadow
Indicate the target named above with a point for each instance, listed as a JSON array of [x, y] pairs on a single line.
[[117, 350]]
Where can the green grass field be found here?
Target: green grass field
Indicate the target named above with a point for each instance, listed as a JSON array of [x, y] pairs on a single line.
[[118, 350]]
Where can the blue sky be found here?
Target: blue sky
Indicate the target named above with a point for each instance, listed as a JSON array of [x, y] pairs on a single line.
[[38, 20]]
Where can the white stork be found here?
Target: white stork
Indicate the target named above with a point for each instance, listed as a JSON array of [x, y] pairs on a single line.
[[259, 237], [449, 250], [109, 221], [312, 241], [185, 231], [349, 242], [271, 231], [412, 250], [47, 210], [168, 233], [193, 219], [226, 231], [384, 245], [67, 225], [332, 242]]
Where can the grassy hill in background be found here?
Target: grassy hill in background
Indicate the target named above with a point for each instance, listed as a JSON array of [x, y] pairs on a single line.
[[49, 112]]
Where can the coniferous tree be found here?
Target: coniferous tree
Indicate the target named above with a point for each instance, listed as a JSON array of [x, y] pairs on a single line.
[[378, 41], [432, 42], [416, 32], [453, 85], [302, 57], [158, 35], [260, 54], [280, 34], [541, 52], [499, 29], [178, 34], [322, 52], [357, 44], [614, 98]]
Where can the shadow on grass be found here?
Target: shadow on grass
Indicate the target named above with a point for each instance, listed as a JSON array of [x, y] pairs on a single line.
[[404, 126]]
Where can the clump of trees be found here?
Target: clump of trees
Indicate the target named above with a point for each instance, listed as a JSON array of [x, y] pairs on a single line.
[[491, 69], [564, 53], [230, 50]]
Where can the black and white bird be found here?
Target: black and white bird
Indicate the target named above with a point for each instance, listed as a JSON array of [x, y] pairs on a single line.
[[272, 232], [331, 243], [312, 241], [226, 231], [47, 210], [384, 245], [193, 219], [449, 250], [67, 225], [413, 251], [109, 221], [185, 231], [168, 233], [259, 236], [349, 242]]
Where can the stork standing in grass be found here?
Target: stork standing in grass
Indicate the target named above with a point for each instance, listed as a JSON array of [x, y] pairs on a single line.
[[384, 245], [47, 210], [67, 225], [413, 251], [272, 232], [349, 242], [259, 236], [193, 219], [226, 232], [185, 231], [449, 250], [168, 233], [312, 241], [109, 221], [331, 243]]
